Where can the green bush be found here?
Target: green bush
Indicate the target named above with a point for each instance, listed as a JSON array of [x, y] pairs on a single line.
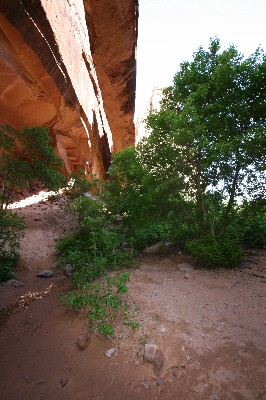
[[11, 230], [97, 246], [254, 231], [138, 200], [252, 219], [224, 251]]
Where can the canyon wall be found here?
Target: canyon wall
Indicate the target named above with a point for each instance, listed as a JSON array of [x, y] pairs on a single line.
[[70, 65]]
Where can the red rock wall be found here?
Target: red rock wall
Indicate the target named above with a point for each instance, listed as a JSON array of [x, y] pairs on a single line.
[[80, 83]]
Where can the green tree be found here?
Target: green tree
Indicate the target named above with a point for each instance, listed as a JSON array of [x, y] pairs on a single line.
[[25, 156], [136, 198], [210, 130]]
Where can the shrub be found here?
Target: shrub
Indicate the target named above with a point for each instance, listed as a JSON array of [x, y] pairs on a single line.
[[252, 219], [11, 230], [224, 251], [97, 246]]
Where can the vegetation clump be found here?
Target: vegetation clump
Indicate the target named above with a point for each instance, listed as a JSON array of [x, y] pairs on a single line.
[[197, 179], [25, 156], [104, 303]]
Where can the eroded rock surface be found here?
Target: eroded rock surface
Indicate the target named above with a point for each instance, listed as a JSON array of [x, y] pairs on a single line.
[[70, 66]]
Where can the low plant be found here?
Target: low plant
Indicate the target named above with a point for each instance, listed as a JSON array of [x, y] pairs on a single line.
[[104, 302]]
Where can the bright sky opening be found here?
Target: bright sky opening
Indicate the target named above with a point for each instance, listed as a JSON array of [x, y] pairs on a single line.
[[170, 31]]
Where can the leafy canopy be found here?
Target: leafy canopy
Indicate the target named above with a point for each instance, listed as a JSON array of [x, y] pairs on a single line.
[[210, 131], [25, 156]]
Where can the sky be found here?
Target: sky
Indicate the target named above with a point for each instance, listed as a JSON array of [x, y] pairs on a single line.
[[171, 30]]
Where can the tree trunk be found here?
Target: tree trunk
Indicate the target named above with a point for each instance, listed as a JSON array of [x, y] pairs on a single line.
[[231, 199]]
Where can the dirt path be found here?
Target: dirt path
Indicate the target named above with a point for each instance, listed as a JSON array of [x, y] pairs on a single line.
[[209, 326]]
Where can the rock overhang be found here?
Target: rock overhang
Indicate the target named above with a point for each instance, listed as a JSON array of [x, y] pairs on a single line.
[[71, 66]]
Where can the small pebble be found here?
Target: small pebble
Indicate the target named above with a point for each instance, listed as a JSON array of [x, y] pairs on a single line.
[[145, 384], [64, 381], [40, 381], [111, 352]]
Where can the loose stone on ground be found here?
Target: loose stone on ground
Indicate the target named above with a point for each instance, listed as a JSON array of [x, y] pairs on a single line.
[[111, 352], [150, 350], [45, 274], [184, 267], [13, 282], [83, 341]]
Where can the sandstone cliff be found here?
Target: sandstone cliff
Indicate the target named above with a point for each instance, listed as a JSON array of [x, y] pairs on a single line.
[[70, 65]]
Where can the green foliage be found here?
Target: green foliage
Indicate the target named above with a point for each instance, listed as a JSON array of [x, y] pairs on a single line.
[[78, 185], [26, 156], [210, 131], [97, 246], [11, 230], [104, 302], [205, 151], [225, 251], [6, 268], [136, 199], [252, 220]]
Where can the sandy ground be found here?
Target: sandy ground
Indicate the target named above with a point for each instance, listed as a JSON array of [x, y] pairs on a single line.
[[210, 327]]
